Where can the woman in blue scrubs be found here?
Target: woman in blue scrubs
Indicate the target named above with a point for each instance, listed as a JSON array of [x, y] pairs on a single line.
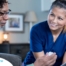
[[49, 36]]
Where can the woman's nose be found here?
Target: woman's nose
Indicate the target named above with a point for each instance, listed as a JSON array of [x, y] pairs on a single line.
[[55, 20]]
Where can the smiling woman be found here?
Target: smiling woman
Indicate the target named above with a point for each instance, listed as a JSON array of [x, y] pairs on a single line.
[[48, 36]]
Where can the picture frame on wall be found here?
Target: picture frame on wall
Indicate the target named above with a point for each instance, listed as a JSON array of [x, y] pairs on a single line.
[[15, 22]]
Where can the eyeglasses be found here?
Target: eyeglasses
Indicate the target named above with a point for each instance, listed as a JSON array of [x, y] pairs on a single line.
[[5, 13]]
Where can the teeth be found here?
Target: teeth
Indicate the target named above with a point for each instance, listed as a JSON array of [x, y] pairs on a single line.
[[53, 25]]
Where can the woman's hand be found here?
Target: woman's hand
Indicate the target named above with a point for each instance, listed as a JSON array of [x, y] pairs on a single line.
[[46, 60], [50, 60]]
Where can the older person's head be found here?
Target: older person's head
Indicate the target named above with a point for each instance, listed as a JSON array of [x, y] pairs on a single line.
[[4, 11]]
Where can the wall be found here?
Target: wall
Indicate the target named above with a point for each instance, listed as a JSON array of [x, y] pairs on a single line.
[[22, 6]]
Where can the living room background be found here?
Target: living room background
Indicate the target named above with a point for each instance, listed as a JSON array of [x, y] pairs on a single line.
[[22, 6]]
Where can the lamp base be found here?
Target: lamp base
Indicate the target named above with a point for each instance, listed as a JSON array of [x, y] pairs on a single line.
[[5, 42]]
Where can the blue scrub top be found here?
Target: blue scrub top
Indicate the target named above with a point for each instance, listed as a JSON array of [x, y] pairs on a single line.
[[41, 39]]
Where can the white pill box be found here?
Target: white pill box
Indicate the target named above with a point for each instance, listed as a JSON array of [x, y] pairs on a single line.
[[50, 53]]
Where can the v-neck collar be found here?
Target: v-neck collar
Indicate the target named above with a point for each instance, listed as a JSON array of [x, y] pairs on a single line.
[[50, 42], [50, 36], [57, 37]]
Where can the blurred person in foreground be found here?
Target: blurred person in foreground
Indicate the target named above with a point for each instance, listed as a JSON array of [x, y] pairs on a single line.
[[4, 12]]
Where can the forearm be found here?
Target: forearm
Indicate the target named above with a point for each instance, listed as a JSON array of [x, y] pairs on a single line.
[[38, 54]]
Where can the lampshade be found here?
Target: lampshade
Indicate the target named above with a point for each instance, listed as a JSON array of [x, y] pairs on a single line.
[[30, 17]]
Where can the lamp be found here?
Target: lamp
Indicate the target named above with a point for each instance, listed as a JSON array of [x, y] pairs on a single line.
[[30, 17], [5, 37]]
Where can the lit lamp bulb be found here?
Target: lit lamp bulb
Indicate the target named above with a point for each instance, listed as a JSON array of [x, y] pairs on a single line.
[[5, 36]]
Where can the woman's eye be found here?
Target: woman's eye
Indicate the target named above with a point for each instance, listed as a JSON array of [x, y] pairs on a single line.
[[60, 18], [52, 14]]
